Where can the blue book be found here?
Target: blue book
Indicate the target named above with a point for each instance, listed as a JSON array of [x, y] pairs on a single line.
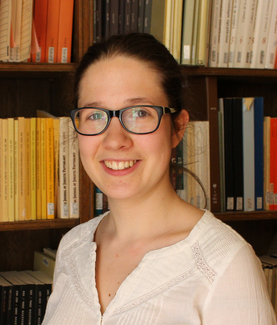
[[259, 152], [98, 202]]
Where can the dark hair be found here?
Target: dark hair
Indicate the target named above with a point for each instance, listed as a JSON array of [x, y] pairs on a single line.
[[145, 48]]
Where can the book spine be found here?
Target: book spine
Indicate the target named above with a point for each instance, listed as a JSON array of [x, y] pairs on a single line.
[[65, 31], [16, 171], [38, 168], [63, 209], [33, 167], [40, 21], [26, 29], [141, 4], [214, 33], [28, 167], [266, 162], [5, 207], [121, 16], [52, 28], [11, 168], [273, 126], [259, 152], [147, 16], [248, 154], [74, 196], [21, 169], [1, 166], [50, 196], [114, 17], [272, 40], [98, 202], [177, 29], [233, 33], [238, 153], [134, 16], [43, 169]]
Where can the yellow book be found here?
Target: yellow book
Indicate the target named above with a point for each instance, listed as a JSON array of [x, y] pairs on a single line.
[[28, 167], [11, 168], [38, 169], [21, 169], [56, 159], [16, 165], [43, 169], [33, 127], [4, 156], [50, 195], [177, 30], [1, 166], [73, 172]]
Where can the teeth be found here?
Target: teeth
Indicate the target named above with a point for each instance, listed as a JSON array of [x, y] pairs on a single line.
[[115, 165]]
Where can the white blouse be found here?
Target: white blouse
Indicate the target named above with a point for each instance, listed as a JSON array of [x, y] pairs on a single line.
[[212, 277]]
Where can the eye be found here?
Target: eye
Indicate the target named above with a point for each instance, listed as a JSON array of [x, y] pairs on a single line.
[[140, 112], [96, 116]]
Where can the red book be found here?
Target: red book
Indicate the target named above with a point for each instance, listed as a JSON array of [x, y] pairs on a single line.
[[65, 31], [40, 20], [273, 161]]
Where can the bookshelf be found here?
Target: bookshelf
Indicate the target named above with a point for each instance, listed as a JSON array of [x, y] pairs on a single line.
[[26, 87]]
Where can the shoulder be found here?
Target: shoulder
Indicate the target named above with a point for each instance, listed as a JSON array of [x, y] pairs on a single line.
[[218, 244]]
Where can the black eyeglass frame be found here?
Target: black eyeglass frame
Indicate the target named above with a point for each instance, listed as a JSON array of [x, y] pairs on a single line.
[[161, 110]]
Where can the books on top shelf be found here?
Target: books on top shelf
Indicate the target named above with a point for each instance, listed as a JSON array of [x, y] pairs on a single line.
[[39, 162], [36, 30]]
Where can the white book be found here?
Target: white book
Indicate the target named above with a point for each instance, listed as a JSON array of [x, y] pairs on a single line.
[[233, 33], [248, 154], [63, 178], [73, 153], [177, 30], [195, 31], [224, 33], [245, 31], [187, 31], [214, 33], [272, 39], [261, 33], [5, 28]]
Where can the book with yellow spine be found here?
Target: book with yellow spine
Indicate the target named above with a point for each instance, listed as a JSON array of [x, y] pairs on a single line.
[[38, 168], [33, 126], [16, 165], [4, 156], [28, 167], [43, 168], [50, 195], [21, 169], [1, 166], [11, 168]]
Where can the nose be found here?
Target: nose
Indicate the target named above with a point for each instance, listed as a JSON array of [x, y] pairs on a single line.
[[116, 137]]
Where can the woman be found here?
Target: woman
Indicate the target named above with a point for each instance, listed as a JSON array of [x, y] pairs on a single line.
[[153, 259]]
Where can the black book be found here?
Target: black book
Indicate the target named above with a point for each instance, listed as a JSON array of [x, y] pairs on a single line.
[[127, 17], [121, 16], [141, 5], [114, 17], [5, 301], [134, 16], [238, 153]]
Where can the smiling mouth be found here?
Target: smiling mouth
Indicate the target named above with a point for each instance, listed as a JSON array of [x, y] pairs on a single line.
[[120, 165]]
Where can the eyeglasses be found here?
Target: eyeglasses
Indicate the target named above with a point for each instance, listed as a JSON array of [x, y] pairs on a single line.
[[142, 119]]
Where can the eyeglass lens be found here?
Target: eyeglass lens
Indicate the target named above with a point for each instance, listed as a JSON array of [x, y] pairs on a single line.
[[135, 119]]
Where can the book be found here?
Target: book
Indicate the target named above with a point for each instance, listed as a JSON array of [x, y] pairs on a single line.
[[40, 21], [21, 169], [214, 33], [141, 5], [65, 31], [44, 263], [134, 15], [43, 169], [259, 152], [273, 159], [28, 197], [5, 29], [11, 168], [233, 32], [26, 29], [98, 201], [63, 182], [52, 28], [38, 169], [114, 17], [221, 152], [272, 39], [4, 171], [195, 31], [50, 187], [261, 33], [1, 166], [238, 154], [266, 162], [248, 154], [177, 30], [5, 300], [33, 168], [15, 31], [73, 157], [147, 16], [224, 33], [16, 171]]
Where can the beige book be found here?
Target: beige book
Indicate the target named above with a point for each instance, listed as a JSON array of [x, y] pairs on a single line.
[[177, 29], [21, 169], [1, 165], [74, 196], [26, 29], [50, 188], [5, 207], [11, 168], [44, 263], [5, 28]]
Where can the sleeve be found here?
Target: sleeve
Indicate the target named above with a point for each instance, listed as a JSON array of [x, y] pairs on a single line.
[[239, 294]]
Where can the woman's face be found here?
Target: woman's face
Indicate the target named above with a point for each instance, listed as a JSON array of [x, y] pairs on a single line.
[[121, 164]]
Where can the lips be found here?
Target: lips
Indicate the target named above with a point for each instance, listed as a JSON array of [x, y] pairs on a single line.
[[120, 165]]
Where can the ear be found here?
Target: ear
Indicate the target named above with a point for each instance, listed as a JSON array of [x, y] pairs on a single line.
[[179, 127]]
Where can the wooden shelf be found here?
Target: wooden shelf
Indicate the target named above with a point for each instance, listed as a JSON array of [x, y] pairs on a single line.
[[38, 70], [235, 72], [246, 216], [39, 224]]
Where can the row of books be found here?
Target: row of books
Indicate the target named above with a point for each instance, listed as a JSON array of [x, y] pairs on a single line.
[[36, 30], [216, 33], [248, 143], [23, 297], [39, 168]]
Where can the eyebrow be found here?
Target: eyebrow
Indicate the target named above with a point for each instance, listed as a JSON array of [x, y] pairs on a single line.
[[129, 101]]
